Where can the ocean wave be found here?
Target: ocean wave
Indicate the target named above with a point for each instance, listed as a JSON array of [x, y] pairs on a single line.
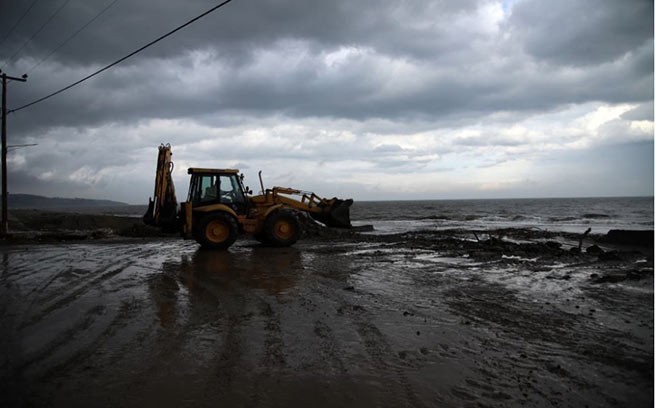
[[595, 215], [561, 219], [436, 217]]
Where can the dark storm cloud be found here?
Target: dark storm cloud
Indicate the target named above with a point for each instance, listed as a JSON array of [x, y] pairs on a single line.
[[375, 73], [468, 82], [240, 26], [582, 32]]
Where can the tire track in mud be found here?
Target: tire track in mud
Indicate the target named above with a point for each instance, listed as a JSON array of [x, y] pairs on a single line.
[[18, 261], [328, 346], [71, 349], [67, 336], [426, 285], [226, 306], [106, 274], [172, 331], [273, 343], [379, 348], [120, 320], [492, 308], [273, 358], [501, 308], [71, 355], [21, 279], [228, 359], [229, 309], [57, 300], [398, 389], [548, 352], [379, 352]]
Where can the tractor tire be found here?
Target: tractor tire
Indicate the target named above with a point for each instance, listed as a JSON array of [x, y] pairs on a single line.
[[281, 229], [216, 231]]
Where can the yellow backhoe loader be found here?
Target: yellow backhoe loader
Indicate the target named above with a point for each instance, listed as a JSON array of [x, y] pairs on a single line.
[[219, 207]]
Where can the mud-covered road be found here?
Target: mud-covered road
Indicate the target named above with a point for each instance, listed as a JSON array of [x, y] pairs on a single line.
[[366, 322]]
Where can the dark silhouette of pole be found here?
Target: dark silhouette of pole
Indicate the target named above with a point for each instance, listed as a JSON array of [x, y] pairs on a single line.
[[4, 228]]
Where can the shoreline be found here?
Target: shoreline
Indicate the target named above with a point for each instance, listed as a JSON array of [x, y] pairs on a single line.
[[38, 227]]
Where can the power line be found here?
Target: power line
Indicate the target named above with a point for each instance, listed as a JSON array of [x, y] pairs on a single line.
[[36, 33], [88, 23], [193, 20], [11, 30], [18, 146]]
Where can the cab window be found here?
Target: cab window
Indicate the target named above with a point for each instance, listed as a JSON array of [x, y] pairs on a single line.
[[208, 188], [230, 190]]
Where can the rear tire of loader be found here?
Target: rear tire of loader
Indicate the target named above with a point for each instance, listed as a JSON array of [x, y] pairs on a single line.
[[281, 229], [217, 231]]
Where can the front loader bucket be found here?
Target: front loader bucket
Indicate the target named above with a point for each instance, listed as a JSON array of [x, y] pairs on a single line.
[[336, 215]]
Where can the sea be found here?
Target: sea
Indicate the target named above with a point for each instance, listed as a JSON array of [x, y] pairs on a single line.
[[574, 215], [553, 214]]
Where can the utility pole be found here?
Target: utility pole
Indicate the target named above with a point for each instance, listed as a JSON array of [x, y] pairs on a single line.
[[4, 228]]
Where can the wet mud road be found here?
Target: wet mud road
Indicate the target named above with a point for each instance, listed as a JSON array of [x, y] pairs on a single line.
[[324, 324]]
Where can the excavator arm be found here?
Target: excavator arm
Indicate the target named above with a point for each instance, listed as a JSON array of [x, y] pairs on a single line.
[[332, 212], [162, 208]]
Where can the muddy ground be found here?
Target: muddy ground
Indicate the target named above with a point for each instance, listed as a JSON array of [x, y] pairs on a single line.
[[447, 319]]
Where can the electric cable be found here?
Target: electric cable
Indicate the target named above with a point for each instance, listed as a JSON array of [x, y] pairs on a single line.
[[193, 20], [88, 23], [53, 15], [11, 30]]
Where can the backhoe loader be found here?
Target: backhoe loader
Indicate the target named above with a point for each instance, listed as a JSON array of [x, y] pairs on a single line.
[[219, 207]]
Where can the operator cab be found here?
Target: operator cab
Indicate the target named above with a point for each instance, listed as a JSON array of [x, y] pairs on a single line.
[[217, 186]]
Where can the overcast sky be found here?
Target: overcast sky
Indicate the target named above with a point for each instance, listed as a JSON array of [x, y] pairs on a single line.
[[369, 99]]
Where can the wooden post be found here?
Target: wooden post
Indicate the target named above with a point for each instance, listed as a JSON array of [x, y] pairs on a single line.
[[4, 226], [5, 222]]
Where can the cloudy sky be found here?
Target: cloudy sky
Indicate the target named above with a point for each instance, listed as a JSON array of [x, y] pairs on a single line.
[[369, 99]]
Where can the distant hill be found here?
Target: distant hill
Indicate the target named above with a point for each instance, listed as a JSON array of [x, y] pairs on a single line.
[[29, 201]]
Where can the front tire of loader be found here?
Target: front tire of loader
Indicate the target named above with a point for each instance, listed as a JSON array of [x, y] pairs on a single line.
[[281, 229], [217, 231]]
